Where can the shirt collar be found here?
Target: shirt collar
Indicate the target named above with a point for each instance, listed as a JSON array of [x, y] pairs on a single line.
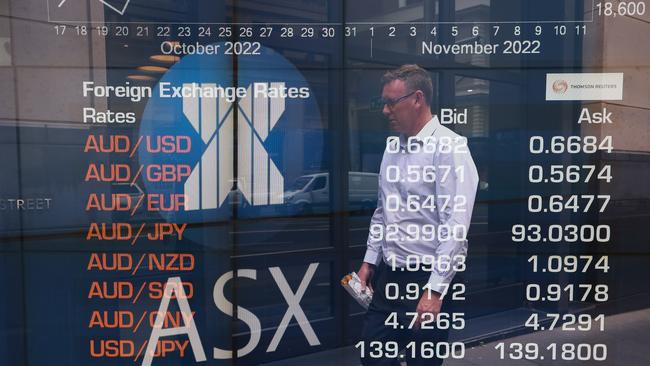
[[428, 130]]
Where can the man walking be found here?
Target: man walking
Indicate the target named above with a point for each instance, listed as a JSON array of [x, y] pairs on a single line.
[[416, 244]]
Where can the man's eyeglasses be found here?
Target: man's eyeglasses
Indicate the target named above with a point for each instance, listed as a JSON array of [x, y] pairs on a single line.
[[392, 102]]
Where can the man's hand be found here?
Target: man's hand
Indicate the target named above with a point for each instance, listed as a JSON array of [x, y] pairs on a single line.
[[365, 273], [430, 303]]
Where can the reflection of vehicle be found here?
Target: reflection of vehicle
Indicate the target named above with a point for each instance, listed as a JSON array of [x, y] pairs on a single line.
[[310, 192], [133, 191]]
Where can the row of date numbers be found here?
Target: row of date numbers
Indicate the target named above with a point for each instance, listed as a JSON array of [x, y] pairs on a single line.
[[261, 31]]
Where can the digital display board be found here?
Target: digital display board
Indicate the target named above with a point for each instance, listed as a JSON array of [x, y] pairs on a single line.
[[289, 182]]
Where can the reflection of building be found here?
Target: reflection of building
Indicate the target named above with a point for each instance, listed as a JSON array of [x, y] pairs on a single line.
[[290, 11], [472, 94], [395, 11], [610, 48]]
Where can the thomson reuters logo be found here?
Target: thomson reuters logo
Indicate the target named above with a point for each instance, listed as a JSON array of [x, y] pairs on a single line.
[[560, 86], [259, 179]]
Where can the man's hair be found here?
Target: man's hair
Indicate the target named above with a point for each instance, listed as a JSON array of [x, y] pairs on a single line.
[[415, 78]]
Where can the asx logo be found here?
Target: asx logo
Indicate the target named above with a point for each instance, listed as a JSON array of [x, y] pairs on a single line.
[[174, 290], [258, 178]]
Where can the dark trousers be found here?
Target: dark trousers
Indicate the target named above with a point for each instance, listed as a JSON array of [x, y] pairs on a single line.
[[374, 328]]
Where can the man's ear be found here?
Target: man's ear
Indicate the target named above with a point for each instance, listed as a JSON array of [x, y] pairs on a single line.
[[419, 95]]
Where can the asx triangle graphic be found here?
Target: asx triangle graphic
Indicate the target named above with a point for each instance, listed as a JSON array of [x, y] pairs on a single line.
[[119, 6]]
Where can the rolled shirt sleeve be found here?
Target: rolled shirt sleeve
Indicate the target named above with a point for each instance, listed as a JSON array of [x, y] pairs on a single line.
[[375, 241], [459, 182]]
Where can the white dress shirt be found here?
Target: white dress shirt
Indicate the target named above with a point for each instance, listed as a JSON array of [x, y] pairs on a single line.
[[459, 181]]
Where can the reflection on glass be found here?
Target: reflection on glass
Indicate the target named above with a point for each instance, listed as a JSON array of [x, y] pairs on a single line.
[[298, 184], [472, 98], [467, 12]]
